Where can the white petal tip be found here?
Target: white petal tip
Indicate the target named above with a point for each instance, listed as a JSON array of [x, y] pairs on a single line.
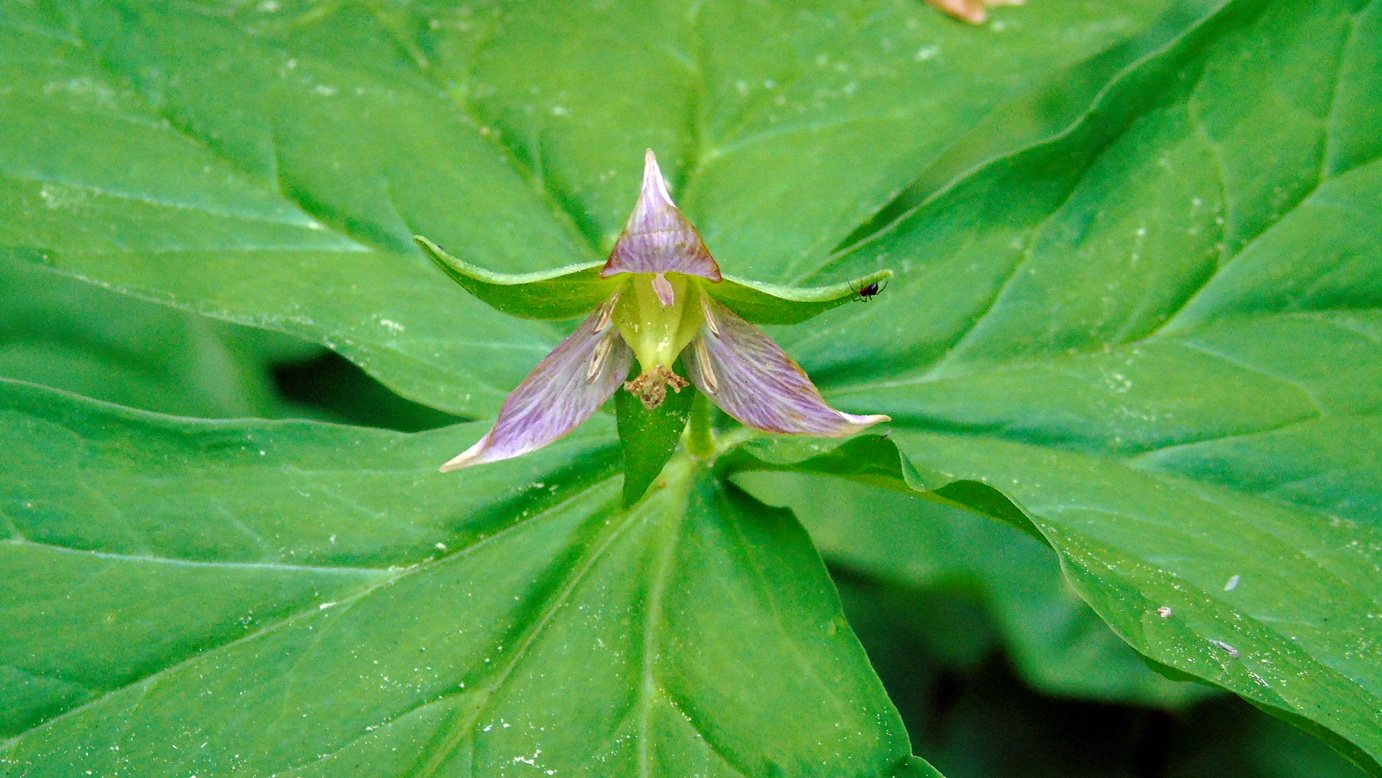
[[470, 456], [458, 463], [654, 185], [860, 423]]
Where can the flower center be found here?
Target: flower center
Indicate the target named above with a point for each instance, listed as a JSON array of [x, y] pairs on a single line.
[[651, 387], [657, 316]]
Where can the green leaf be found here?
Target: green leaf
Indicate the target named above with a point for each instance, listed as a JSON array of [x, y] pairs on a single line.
[[1055, 641], [261, 597], [563, 293], [1216, 618], [272, 165], [649, 437], [779, 304], [1160, 333], [1035, 116]]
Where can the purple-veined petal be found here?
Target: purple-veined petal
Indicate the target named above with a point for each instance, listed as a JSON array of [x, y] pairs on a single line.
[[563, 391], [748, 375], [658, 239]]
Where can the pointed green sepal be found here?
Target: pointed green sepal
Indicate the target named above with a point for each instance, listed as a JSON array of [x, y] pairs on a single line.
[[649, 437], [564, 293], [773, 304]]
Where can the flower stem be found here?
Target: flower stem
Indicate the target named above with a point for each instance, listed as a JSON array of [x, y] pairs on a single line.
[[700, 439]]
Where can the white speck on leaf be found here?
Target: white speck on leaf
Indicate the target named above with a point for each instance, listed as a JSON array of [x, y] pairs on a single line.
[[529, 760], [1230, 650]]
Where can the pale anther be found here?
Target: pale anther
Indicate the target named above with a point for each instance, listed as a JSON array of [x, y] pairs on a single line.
[[606, 314], [599, 356], [710, 317], [702, 354]]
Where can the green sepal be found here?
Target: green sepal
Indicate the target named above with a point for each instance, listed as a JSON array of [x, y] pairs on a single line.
[[563, 293], [774, 304], [649, 437]]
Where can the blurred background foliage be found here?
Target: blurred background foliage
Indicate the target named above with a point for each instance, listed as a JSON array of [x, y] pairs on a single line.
[[999, 670], [87, 340]]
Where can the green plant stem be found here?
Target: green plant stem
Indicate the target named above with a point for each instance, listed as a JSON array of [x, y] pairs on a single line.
[[700, 438]]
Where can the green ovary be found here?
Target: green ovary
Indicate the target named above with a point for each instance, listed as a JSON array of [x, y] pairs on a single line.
[[657, 333]]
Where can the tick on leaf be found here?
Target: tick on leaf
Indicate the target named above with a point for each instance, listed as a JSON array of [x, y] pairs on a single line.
[[868, 291]]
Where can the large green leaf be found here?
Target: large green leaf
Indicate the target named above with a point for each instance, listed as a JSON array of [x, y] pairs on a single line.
[[1055, 641], [1282, 613], [1160, 333], [271, 163], [305, 599]]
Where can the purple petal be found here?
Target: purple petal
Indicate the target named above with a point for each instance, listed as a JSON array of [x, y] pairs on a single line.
[[753, 380], [658, 239], [568, 387]]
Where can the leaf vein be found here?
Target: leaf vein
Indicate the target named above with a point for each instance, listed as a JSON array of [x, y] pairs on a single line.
[[207, 564], [288, 620]]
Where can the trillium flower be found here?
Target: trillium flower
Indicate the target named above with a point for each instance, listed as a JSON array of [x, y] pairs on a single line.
[[659, 301]]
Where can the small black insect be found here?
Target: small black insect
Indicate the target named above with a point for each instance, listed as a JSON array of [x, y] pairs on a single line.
[[868, 291]]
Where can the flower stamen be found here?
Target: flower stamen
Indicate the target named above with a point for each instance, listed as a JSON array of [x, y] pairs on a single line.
[[606, 313], [651, 387], [702, 355], [710, 317], [600, 355]]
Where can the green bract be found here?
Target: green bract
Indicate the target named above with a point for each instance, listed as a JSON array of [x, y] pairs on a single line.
[[567, 292]]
